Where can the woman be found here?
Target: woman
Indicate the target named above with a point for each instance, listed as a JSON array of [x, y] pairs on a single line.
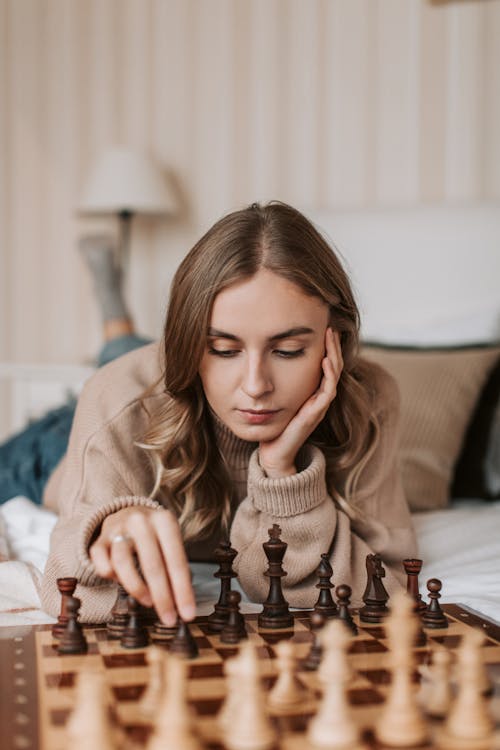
[[255, 409]]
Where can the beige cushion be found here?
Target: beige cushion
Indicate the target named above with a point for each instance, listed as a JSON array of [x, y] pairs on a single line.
[[439, 390]]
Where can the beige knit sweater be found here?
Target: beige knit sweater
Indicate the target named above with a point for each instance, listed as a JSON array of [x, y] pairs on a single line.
[[103, 472]]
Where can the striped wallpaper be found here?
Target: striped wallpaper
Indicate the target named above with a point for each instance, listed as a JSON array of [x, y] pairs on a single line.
[[326, 103]]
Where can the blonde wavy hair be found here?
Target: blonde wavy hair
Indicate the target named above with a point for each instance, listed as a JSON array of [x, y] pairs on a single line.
[[190, 473]]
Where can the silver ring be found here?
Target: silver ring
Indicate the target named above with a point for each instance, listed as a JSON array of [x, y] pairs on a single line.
[[121, 538]]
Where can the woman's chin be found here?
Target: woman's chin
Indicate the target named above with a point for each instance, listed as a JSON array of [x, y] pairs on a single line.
[[256, 433]]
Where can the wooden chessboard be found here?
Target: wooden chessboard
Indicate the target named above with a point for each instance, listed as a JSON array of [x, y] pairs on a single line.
[[37, 685]]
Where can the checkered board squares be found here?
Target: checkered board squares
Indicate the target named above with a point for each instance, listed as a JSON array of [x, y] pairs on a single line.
[[127, 675]]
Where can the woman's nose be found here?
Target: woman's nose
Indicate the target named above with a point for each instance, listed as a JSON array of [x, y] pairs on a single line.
[[257, 380]]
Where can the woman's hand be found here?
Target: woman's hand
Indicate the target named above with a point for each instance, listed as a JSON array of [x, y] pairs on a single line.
[[153, 538], [277, 457]]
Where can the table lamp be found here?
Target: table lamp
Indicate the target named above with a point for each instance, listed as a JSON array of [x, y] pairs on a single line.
[[125, 181]]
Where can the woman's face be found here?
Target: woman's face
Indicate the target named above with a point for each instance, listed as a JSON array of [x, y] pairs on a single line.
[[263, 356]]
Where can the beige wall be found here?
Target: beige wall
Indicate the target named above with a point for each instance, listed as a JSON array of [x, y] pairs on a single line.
[[325, 103]]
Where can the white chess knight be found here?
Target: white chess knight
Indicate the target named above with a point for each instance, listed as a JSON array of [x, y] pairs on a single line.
[[334, 727], [401, 722]]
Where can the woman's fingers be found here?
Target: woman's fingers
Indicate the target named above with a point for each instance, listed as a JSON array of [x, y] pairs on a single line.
[[144, 551], [170, 539], [124, 565], [153, 567]]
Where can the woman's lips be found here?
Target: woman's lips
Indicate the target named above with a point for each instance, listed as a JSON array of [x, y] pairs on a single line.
[[257, 417]]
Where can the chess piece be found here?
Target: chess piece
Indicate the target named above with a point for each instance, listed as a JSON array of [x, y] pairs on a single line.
[[325, 603], [401, 722], [72, 640], [375, 596], [92, 724], [250, 727], [183, 644], [151, 698], [224, 556], [162, 634], [174, 726], [135, 634], [412, 567], [469, 723], [343, 593], [435, 692], [287, 692], [275, 612], [234, 629], [119, 615], [230, 667], [434, 617], [313, 658], [66, 588], [333, 726]]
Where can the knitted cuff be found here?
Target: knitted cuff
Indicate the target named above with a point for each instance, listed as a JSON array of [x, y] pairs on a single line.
[[86, 572], [291, 495]]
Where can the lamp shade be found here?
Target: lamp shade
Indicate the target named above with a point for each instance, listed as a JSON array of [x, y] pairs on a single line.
[[123, 179]]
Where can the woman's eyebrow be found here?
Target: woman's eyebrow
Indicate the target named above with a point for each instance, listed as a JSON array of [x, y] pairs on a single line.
[[299, 331]]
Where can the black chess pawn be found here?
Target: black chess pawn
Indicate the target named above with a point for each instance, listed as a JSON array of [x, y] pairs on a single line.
[[224, 556], [66, 587], [135, 634], [183, 644], [234, 629], [313, 658], [343, 593], [325, 603], [412, 567], [275, 612], [162, 634], [72, 640], [375, 596], [119, 615], [434, 617]]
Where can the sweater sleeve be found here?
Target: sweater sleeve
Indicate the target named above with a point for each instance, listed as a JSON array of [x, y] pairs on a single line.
[[312, 524], [98, 476]]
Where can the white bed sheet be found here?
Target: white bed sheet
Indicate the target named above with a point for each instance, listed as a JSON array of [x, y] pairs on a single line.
[[460, 545]]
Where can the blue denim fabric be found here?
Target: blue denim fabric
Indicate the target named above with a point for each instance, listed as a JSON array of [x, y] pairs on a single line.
[[28, 458]]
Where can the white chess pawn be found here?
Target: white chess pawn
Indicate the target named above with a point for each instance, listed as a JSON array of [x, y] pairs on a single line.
[[287, 692], [469, 723], [435, 694], [150, 699], [91, 724], [333, 727], [250, 727], [401, 722], [230, 701], [174, 727]]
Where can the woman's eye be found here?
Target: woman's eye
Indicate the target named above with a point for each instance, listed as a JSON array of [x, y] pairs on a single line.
[[222, 352], [289, 353]]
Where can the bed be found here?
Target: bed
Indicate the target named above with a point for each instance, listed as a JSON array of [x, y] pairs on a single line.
[[437, 331]]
